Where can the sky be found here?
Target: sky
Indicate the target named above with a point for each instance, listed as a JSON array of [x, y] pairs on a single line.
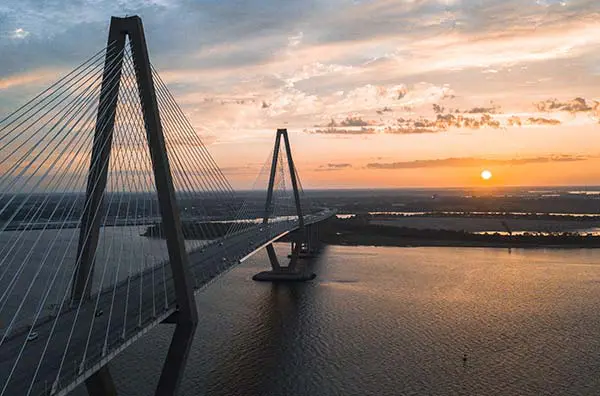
[[374, 93]]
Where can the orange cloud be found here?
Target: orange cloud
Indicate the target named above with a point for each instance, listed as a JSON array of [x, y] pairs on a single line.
[[333, 167], [542, 121], [339, 131], [473, 162], [577, 105]]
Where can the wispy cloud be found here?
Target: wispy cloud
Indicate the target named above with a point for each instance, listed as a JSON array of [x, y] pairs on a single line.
[[38, 77], [401, 126], [342, 131], [19, 33], [542, 121], [472, 162], [576, 105], [439, 109], [339, 166], [333, 167]]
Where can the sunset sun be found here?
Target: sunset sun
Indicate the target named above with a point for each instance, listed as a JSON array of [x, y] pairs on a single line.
[[486, 174]]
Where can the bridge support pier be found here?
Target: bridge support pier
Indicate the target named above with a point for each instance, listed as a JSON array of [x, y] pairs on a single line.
[[101, 383], [295, 271], [312, 246], [176, 360]]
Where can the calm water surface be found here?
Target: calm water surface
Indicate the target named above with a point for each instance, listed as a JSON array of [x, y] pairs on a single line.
[[393, 321], [44, 260]]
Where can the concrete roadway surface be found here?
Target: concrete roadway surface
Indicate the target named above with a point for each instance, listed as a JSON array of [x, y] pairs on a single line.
[[117, 314]]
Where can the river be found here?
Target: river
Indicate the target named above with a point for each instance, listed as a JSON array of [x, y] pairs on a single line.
[[393, 321]]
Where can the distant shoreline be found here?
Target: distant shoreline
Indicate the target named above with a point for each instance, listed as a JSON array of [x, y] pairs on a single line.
[[465, 244], [360, 232]]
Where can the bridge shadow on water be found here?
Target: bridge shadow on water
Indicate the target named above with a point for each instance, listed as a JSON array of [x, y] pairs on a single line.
[[249, 340], [256, 363], [263, 358]]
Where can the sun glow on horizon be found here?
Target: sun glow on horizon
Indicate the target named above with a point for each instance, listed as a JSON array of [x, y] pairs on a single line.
[[486, 174]]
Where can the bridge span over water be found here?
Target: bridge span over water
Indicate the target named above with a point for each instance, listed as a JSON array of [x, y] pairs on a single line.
[[104, 199]]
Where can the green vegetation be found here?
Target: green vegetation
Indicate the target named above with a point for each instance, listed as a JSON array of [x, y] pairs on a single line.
[[358, 231]]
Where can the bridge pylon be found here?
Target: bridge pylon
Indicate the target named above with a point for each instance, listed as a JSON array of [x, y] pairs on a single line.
[[295, 270], [186, 316]]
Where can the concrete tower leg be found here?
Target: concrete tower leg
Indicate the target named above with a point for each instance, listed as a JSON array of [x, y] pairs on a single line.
[[100, 383], [98, 171], [273, 257], [187, 316]]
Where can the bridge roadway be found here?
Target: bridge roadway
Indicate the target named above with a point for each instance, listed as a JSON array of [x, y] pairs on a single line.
[[136, 308]]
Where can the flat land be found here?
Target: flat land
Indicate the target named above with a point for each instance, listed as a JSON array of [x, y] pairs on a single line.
[[479, 224], [362, 231]]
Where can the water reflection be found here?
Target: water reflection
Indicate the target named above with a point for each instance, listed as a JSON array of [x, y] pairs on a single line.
[[257, 350], [394, 321]]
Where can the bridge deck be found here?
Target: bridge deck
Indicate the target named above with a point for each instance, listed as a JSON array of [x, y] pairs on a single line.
[[135, 310]]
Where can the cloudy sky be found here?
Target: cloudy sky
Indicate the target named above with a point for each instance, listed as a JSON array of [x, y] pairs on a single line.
[[375, 93]]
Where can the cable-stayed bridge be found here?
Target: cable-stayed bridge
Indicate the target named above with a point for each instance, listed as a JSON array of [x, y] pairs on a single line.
[[113, 214]]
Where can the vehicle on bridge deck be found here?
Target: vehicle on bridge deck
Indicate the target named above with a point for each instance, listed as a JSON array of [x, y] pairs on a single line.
[[32, 336]]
